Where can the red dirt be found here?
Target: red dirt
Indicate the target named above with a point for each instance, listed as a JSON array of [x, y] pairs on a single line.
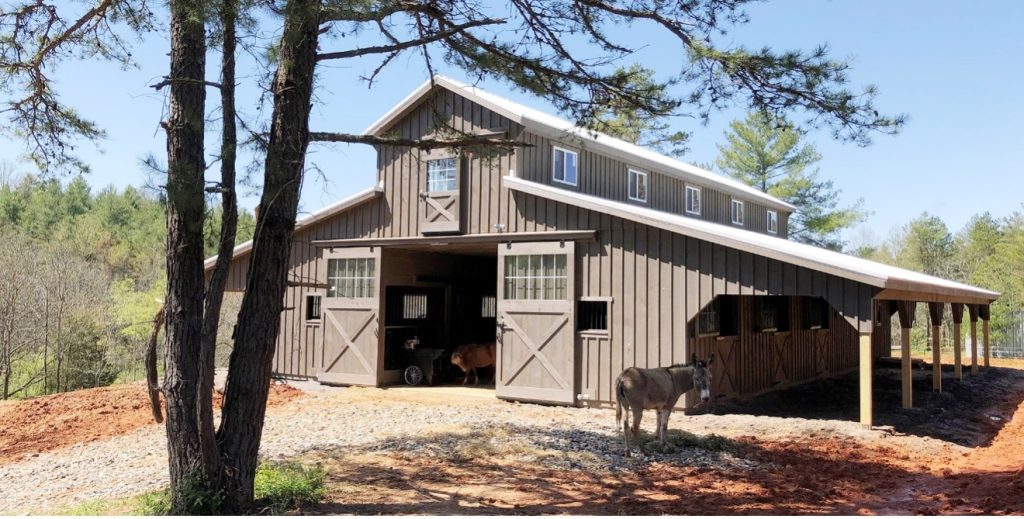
[[51, 422]]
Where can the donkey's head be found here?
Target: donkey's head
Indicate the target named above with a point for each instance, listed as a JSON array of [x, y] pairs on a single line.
[[702, 376]]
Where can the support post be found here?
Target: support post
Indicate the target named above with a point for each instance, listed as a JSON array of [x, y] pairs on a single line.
[[972, 310], [866, 385], [983, 312], [935, 311], [957, 310], [905, 310]]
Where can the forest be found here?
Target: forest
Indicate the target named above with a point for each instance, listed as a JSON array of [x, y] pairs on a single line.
[[83, 277]]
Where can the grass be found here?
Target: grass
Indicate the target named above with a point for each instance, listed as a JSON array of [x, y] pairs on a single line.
[[279, 488]]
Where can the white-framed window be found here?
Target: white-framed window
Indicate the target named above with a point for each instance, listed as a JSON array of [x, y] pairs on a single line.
[[692, 200], [773, 222], [565, 166], [637, 186], [737, 212], [536, 276], [351, 277], [441, 175]]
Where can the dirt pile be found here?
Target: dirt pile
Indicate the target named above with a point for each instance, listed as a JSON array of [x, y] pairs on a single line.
[[50, 422]]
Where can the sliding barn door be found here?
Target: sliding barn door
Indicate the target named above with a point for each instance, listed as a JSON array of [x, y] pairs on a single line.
[[536, 321], [351, 314]]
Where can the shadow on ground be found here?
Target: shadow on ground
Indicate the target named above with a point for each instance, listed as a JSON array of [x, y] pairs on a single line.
[[969, 412]]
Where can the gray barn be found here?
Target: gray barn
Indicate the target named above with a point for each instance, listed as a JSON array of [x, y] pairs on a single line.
[[581, 255]]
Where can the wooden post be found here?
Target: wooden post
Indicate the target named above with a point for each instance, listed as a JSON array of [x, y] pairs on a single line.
[[905, 310], [957, 309], [983, 312], [865, 379], [972, 310], [935, 311]]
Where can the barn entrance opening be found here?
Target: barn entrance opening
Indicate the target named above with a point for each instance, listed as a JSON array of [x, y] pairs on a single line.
[[435, 302]]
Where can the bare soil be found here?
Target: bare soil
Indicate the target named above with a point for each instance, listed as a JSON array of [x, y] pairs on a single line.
[[47, 423]]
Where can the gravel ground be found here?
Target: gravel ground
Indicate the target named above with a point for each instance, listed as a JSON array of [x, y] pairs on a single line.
[[428, 422]]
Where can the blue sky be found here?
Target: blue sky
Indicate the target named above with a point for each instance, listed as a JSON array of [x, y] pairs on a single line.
[[954, 67]]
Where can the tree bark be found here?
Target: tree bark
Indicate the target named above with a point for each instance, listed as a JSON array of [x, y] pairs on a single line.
[[185, 207], [153, 386], [248, 383]]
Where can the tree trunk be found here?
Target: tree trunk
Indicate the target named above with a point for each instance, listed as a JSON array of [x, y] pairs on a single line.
[[185, 206], [259, 319]]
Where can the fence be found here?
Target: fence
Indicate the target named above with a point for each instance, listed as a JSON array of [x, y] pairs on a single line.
[[1012, 344]]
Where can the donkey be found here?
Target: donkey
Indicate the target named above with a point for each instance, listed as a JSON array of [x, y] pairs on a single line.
[[637, 389]]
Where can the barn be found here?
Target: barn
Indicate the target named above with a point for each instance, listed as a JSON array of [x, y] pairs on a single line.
[[580, 255]]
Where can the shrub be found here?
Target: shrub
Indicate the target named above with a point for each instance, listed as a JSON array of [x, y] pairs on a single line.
[[285, 486]]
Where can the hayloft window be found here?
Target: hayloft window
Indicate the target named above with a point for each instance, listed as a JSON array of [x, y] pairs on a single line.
[[536, 276], [351, 277], [692, 200], [592, 315], [816, 312], [719, 317], [565, 166], [441, 175], [771, 314], [737, 212], [773, 222], [488, 307], [312, 308], [637, 186]]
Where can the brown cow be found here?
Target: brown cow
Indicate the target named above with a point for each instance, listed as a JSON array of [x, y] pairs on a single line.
[[469, 357], [637, 389]]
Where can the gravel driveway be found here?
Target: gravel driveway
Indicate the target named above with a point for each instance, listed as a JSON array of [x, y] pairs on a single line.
[[376, 419]]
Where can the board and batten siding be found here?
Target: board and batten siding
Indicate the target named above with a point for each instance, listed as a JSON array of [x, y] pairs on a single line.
[[607, 177]]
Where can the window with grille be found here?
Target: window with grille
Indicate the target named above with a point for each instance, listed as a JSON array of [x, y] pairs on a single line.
[[351, 277], [737, 212], [536, 276], [771, 314], [816, 312], [591, 315], [692, 200], [720, 317], [414, 306], [312, 308], [773, 222], [637, 186], [565, 166], [441, 175], [488, 307]]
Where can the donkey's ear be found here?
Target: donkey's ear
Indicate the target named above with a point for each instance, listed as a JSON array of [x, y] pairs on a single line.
[[693, 358], [711, 359]]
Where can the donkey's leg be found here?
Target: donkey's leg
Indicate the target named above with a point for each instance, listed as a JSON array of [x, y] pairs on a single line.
[[664, 424], [625, 431]]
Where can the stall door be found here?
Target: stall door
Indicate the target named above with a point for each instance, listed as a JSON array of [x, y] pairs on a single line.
[[535, 314], [351, 309], [440, 201]]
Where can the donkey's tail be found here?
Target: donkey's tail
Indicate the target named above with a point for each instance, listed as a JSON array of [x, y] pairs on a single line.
[[620, 400]]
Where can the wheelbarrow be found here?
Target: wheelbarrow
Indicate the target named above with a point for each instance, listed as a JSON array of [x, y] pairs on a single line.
[[420, 362]]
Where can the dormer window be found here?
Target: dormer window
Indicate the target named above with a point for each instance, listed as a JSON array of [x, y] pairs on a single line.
[[773, 222], [693, 200], [737, 212], [637, 186], [565, 166]]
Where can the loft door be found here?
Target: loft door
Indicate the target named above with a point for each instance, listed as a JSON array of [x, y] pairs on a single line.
[[441, 200]]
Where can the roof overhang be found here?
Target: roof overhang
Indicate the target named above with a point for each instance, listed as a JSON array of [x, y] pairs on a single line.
[[896, 283], [317, 216], [556, 128]]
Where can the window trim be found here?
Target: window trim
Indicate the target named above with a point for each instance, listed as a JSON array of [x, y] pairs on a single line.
[[732, 211], [556, 149], [773, 217], [607, 332], [630, 172], [371, 282], [320, 307], [686, 196], [455, 170]]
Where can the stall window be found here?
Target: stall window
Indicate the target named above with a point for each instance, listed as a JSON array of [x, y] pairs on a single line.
[[536, 276], [719, 317], [312, 308], [565, 166], [816, 312], [488, 307], [592, 315], [351, 277], [771, 313], [441, 175], [414, 306]]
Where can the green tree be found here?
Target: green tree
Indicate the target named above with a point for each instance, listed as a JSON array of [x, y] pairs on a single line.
[[928, 246], [766, 152], [639, 124]]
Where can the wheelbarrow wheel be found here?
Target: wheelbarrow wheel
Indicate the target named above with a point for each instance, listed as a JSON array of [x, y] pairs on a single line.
[[413, 375]]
